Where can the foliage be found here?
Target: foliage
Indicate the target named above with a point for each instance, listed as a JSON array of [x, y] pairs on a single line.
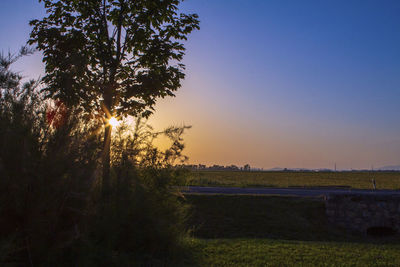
[[135, 142], [125, 53], [112, 57], [45, 173], [144, 218], [144, 215], [9, 79], [50, 207]]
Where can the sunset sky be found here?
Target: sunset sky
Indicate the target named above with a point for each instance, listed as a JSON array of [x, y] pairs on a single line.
[[297, 84]]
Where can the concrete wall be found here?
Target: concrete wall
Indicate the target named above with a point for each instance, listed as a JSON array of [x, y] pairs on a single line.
[[360, 212]]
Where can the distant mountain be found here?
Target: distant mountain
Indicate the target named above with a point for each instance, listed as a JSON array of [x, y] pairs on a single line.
[[390, 168]]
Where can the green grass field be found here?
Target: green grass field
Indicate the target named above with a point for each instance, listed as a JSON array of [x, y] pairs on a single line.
[[278, 231], [362, 180], [267, 252]]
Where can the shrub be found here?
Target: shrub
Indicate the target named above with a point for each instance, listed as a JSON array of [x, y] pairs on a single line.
[[45, 173], [145, 215], [51, 208]]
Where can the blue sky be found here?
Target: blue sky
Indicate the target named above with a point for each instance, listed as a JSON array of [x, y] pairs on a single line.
[[277, 83]]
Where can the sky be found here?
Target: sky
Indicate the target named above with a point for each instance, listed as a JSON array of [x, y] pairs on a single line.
[[285, 83]]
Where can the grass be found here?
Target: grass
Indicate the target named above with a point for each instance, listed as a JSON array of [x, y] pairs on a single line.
[[278, 231], [362, 180], [274, 217], [226, 216], [267, 252]]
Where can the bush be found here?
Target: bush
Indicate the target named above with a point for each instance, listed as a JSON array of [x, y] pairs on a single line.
[[144, 215], [51, 209], [45, 173]]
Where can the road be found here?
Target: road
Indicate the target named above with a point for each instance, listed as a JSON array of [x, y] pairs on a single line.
[[300, 192]]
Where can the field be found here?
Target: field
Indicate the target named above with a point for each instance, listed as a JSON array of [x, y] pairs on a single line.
[[278, 231], [267, 252], [362, 180]]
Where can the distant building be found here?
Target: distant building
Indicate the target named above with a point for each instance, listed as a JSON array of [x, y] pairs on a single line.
[[214, 167]]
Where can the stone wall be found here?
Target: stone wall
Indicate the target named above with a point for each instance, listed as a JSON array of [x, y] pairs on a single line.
[[360, 212]]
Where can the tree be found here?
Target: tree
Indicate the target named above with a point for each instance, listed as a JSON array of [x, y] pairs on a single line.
[[246, 167], [113, 57]]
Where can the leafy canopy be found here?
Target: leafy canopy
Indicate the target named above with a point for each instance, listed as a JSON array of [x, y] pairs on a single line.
[[120, 54]]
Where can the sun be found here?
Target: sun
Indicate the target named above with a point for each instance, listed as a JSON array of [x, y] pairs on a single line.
[[113, 122]]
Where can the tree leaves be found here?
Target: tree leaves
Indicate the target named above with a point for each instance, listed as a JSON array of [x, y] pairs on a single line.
[[120, 52]]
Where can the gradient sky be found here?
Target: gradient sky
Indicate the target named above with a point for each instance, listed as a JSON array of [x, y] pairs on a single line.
[[276, 83]]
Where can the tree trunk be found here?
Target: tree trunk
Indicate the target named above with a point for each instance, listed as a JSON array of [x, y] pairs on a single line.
[[106, 161], [106, 181]]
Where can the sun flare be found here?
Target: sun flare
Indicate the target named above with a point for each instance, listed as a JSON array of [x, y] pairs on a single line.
[[113, 122]]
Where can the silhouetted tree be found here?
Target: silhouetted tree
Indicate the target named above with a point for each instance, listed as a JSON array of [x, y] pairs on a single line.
[[114, 57]]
